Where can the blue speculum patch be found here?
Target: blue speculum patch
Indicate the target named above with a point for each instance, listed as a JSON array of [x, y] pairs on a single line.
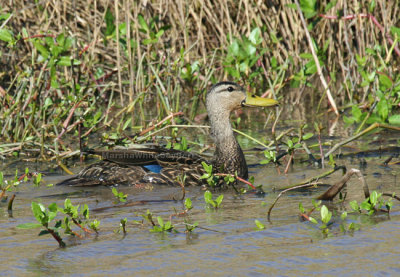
[[155, 168]]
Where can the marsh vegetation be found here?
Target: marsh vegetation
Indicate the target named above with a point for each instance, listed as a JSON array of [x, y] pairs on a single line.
[[82, 75]]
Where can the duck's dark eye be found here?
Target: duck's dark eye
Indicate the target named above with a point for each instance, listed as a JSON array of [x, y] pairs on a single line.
[[230, 89]]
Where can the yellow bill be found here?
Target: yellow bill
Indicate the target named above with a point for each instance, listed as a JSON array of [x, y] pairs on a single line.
[[256, 101]]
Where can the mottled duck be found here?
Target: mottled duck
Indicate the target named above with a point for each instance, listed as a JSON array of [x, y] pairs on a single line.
[[131, 166]]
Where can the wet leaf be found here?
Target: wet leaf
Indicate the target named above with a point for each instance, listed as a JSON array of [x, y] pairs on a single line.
[[29, 225], [259, 225]]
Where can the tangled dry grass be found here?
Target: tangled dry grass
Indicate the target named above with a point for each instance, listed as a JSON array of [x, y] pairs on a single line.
[[203, 29]]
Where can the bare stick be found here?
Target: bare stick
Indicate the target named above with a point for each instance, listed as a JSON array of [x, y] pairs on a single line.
[[301, 185], [336, 188]]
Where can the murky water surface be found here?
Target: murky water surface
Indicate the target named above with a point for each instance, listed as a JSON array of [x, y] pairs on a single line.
[[229, 244]]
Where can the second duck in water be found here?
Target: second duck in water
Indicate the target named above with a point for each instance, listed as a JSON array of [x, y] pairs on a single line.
[[127, 167]]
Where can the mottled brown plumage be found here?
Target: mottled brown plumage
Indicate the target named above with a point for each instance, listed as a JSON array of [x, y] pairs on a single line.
[[125, 166]]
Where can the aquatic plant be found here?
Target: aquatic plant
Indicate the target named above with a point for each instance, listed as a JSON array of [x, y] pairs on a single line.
[[45, 216], [121, 197], [208, 198]]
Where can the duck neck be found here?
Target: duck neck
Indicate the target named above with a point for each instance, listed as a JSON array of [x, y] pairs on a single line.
[[228, 156]]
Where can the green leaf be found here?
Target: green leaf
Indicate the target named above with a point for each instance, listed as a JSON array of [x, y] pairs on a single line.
[[85, 211], [43, 51], [395, 31], [307, 56], [290, 143], [361, 61], [143, 23], [330, 5], [311, 68], [67, 203], [325, 214], [259, 225], [5, 16], [168, 226], [43, 232], [301, 208], [255, 36], [343, 215], [160, 221], [385, 82], [160, 33], [127, 123], [110, 26], [207, 196], [394, 119], [29, 225], [366, 206], [53, 207], [373, 198], [307, 136], [308, 7], [354, 205], [219, 200], [356, 112], [67, 60], [188, 203], [6, 35], [313, 220], [292, 6], [38, 211], [273, 37], [372, 6], [233, 49], [383, 108]]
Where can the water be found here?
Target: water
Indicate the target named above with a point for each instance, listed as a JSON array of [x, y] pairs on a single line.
[[229, 244]]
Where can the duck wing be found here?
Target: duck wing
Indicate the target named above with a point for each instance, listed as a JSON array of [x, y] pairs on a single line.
[[125, 167]]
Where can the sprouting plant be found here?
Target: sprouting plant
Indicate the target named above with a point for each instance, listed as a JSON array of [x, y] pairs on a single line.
[[189, 225], [179, 145], [347, 227], [229, 179], [8, 185], [37, 179], [188, 72], [162, 227], [326, 216], [270, 157], [148, 217], [94, 225], [7, 35], [188, 204], [208, 198], [153, 32], [259, 225], [44, 216], [73, 214], [373, 203], [211, 179], [119, 195], [122, 225]]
